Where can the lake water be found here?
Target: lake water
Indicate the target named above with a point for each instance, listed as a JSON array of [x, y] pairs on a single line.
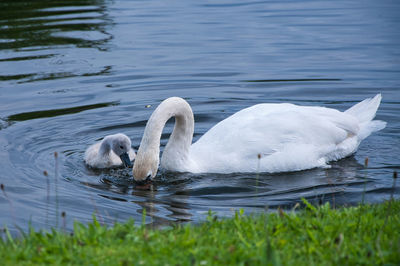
[[74, 71]]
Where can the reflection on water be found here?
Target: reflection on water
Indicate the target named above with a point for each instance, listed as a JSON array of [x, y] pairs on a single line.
[[30, 25], [43, 31], [181, 193], [75, 71], [57, 112], [289, 80]]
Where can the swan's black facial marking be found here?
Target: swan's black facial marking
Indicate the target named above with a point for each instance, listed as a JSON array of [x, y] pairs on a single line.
[[144, 181]]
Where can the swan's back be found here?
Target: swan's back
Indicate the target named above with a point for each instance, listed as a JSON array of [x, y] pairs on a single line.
[[288, 137]]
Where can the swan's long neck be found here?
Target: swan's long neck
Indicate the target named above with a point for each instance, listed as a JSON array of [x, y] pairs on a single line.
[[177, 149]]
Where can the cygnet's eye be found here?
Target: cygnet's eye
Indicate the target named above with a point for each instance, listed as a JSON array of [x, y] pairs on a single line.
[[122, 147]]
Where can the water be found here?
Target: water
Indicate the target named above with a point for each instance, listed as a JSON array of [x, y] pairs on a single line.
[[75, 71]]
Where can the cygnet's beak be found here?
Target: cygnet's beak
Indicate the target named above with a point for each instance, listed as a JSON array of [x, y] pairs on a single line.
[[125, 160]]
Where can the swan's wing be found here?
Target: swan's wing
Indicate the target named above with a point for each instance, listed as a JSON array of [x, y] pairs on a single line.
[[267, 129]]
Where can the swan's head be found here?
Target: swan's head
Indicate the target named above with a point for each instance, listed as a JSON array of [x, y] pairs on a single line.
[[121, 145], [145, 166]]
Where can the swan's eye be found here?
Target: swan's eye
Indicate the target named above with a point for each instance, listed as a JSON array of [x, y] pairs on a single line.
[[122, 147]]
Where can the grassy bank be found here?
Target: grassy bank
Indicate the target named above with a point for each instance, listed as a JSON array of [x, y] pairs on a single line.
[[369, 234]]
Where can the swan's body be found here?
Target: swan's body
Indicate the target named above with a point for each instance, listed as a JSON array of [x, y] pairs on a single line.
[[113, 150], [286, 137]]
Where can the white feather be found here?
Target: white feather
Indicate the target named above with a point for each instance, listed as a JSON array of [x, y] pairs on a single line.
[[288, 137]]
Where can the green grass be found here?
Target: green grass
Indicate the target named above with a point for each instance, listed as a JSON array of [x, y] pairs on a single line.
[[369, 234]]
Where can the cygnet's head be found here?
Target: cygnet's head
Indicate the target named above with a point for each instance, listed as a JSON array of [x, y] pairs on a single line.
[[121, 145]]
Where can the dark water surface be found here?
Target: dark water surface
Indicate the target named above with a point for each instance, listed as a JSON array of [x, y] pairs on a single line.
[[74, 71]]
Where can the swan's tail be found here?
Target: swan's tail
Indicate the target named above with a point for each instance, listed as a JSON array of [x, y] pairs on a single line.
[[365, 111]]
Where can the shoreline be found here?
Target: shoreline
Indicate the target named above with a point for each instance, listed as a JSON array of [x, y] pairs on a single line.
[[365, 234]]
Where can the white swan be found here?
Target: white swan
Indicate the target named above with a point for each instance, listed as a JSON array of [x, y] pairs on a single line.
[[264, 137], [113, 150]]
